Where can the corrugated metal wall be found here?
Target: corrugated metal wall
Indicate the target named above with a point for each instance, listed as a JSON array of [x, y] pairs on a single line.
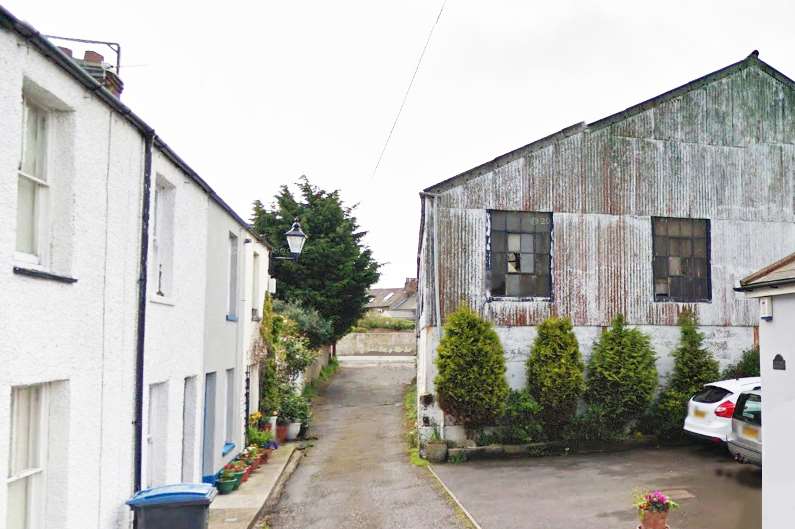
[[724, 151]]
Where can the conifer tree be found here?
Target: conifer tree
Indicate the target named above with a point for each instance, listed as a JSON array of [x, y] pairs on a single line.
[[470, 382], [555, 374], [622, 376]]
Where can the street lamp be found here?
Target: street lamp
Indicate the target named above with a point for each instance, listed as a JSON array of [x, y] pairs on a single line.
[[295, 239]]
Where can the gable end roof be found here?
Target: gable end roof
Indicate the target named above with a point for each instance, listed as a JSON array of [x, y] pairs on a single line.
[[752, 59]]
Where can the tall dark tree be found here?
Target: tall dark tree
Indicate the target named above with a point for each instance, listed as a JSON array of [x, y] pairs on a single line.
[[335, 269]]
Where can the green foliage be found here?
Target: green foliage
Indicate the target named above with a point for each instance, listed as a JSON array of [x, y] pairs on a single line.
[[470, 382], [296, 354], [336, 269], [594, 424], [317, 330], [374, 321], [747, 366], [622, 376], [294, 408], [410, 415], [258, 437], [555, 374], [694, 365], [415, 459], [266, 323], [327, 371], [268, 386], [519, 422]]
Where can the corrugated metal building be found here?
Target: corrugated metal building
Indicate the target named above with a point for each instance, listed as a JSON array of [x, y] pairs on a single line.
[[662, 206]]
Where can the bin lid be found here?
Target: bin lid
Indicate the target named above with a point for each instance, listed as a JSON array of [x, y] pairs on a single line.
[[175, 494]]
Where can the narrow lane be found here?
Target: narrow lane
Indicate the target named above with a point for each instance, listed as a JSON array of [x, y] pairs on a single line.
[[357, 474]]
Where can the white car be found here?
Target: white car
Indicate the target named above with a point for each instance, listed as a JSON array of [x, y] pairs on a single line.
[[709, 412]]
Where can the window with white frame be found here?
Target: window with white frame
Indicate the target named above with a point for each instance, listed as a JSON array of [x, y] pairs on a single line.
[[231, 313], [163, 238], [32, 185], [255, 288], [230, 405], [27, 459]]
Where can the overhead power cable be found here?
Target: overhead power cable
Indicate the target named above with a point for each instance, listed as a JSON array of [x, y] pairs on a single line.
[[408, 89]]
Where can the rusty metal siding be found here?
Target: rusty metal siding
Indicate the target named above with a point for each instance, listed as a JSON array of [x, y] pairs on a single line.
[[724, 151]]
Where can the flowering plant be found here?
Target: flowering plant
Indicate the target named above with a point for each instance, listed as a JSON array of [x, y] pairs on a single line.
[[254, 418], [654, 501]]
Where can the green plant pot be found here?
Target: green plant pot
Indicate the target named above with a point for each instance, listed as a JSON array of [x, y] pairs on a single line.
[[238, 478], [225, 486]]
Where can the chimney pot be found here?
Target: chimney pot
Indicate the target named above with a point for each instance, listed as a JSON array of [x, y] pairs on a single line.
[[93, 57], [65, 51]]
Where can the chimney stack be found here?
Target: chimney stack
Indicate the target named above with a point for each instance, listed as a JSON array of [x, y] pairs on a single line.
[[94, 64], [65, 51]]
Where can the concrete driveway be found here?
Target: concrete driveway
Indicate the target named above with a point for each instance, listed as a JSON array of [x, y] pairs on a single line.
[[596, 491], [357, 475]]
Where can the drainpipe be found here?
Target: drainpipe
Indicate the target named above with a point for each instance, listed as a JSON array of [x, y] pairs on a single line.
[[436, 296], [141, 331]]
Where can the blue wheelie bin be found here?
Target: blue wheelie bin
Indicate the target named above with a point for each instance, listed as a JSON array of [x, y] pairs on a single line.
[[177, 506]]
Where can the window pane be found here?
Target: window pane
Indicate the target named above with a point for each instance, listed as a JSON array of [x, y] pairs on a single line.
[[660, 226], [674, 266], [660, 267], [527, 263], [661, 287], [498, 220], [498, 263], [513, 222], [26, 215], [232, 275], [498, 241], [512, 284], [542, 264], [497, 283], [541, 243], [699, 247], [35, 143], [514, 242], [661, 246], [699, 228], [527, 243]]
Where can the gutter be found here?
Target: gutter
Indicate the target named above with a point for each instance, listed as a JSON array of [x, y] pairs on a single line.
[[767, 284], [141, 330]]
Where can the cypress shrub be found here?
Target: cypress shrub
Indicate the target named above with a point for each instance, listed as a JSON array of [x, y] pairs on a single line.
[[747, 366], [694, 366], [622, 376], [470, 382], [555, 374]]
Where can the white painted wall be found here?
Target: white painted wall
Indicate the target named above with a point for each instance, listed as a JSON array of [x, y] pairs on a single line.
[[253, 298], [83, 334], [223, 348], [778, 401], [174, 347]]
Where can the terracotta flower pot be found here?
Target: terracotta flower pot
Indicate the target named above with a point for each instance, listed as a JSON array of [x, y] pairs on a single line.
[[654, 520], [281, 433]]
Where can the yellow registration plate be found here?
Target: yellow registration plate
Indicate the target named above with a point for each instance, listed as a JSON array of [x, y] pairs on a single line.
[[700, 414], [749, 432]]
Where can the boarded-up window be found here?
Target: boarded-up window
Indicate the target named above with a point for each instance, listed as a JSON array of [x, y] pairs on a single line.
[[519, 254], [681, 259]]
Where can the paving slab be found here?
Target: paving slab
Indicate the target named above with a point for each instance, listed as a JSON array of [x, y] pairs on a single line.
[[241, 508]]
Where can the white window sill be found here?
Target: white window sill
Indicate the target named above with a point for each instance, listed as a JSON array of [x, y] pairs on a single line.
[[29, 261], [162, 300]]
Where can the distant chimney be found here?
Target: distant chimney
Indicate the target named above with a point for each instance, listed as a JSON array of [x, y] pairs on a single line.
[[411, 285], [94, 63], [65, 51]]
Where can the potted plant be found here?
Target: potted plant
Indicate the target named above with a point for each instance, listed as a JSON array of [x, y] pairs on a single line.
[[653, 508], [236, 469], [281, 429], [226, 482], [295, 412], [436, 447]]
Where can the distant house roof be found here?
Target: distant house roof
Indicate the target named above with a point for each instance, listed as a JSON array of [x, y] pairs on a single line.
[[782, 272], [382, 298]]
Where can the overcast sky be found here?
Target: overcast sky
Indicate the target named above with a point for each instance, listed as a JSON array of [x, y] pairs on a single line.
[[254, 94]]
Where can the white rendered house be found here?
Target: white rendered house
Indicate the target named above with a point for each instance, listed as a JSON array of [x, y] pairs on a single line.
[[116, 267]]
